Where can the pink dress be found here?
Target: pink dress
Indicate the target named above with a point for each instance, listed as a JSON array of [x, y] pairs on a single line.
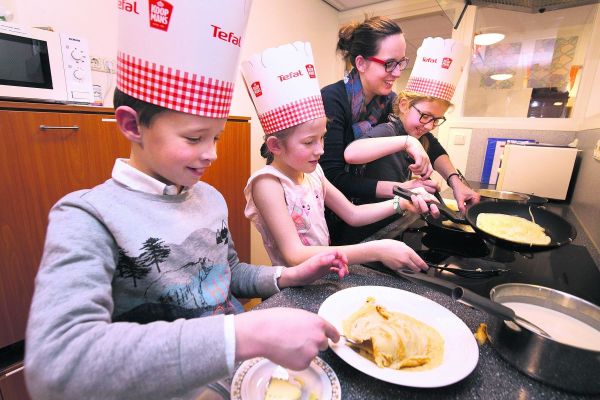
[[305, 204]]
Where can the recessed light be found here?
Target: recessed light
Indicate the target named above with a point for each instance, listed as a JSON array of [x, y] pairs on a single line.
[[486, 39], [501, 77]]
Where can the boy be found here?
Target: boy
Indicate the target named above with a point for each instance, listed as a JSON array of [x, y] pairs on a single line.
[[130, 265]]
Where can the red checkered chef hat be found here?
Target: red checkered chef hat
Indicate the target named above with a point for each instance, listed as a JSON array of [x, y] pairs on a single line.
[[283, 86], [179, 54], [437, 68]]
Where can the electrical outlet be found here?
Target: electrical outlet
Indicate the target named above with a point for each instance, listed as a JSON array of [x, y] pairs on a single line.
[[110, 66], [101, 64]]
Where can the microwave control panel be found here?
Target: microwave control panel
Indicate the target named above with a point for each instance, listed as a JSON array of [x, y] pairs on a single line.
[[78, 70]]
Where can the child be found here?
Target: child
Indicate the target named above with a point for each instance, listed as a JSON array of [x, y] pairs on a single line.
[[133, 287], [418, 109], [287, 198]]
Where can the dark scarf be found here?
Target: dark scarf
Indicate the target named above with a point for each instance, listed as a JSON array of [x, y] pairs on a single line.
[[364, 116]]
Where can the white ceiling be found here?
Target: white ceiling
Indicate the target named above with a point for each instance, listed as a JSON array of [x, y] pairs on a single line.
[[344, 5], [418, 28]]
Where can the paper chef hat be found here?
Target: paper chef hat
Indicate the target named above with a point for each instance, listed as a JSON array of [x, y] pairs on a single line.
[[181, 54], [283, 85], [437, 69]]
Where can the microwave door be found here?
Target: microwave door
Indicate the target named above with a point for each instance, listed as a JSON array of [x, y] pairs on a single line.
[[31, 66]]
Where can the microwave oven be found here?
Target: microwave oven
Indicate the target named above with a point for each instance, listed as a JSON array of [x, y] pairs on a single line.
[[40, 65]]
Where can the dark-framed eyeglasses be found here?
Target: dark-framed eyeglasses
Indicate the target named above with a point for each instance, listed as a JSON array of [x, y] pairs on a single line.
[[390, 65], [425, 118]]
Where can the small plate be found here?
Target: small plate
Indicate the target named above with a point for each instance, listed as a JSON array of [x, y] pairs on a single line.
[[252, 377], [460, 348]]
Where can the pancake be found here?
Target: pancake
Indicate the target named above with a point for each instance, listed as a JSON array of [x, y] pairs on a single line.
[[512, 228], [392, 339]]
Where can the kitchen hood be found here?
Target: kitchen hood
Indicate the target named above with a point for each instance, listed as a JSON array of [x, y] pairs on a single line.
[[530, 6]]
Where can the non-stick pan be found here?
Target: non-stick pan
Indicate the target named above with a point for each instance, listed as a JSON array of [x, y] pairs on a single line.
[[561, 232]]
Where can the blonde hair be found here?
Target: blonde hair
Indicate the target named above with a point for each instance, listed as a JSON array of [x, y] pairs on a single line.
[[415, 98]]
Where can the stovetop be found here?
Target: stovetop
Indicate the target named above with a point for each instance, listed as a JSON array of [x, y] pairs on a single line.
[[569, 268]]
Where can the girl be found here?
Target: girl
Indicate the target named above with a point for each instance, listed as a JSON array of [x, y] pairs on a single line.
[[417, 110], [286, 199]]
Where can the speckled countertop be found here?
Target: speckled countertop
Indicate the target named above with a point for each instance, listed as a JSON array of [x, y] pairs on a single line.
[[493, 378]]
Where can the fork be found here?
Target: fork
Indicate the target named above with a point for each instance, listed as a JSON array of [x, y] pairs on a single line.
[[468, 273]]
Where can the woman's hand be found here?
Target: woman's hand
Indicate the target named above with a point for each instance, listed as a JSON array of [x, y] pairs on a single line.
[[422, 165], [289, 337], [314, 268], [464, 195], [427, 184], [396, 255]]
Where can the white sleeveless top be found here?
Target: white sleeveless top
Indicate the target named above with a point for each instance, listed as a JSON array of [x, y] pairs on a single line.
[[305, 204]]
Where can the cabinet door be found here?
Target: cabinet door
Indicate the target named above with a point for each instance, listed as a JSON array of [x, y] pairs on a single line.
[[229, 174], [38, 167], [13, 387]]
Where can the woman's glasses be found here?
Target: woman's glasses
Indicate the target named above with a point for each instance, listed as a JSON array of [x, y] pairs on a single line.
[[390, 65], [427, 118]]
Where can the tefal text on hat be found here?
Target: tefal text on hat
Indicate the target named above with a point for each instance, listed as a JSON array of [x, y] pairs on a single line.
[[129, 6], [226, 36]]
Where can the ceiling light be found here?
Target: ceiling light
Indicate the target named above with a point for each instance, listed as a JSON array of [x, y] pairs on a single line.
[[501, 77], [486, 39]]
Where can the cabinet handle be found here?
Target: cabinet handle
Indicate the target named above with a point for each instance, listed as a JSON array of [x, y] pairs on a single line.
[[47, 128], [14, 371], [109, 120]]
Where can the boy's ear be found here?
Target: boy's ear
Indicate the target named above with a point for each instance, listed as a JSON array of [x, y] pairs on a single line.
[[127, 122], [273, 144]]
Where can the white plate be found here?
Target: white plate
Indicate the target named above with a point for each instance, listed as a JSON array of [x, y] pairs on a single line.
[[460, 348], [252, 377]]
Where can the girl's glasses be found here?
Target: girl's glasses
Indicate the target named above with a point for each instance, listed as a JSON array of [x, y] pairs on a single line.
[[427, 118], [390, 65]]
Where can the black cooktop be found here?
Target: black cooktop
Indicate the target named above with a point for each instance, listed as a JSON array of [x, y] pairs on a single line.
[[569, 268]]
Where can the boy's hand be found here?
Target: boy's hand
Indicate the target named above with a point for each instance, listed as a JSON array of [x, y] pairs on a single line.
[[314, 268], [289, 337]]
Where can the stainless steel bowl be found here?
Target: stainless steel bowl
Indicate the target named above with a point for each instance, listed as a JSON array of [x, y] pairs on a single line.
[[502, 195], [555, 363]]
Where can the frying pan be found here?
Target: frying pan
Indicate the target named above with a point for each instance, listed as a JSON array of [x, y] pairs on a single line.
[[561, 232]]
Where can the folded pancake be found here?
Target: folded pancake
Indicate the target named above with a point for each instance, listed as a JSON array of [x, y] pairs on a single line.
[[392, 339], [512, 228]]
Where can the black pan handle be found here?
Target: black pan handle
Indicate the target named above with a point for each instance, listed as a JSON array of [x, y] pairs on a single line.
[[450, 214]]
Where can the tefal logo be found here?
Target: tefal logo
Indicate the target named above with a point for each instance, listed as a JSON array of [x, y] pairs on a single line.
[[128, 6], [430, 60], [311, 70], [256, 89], [229, 37], [291, 75], [446, 62], [160, 14]]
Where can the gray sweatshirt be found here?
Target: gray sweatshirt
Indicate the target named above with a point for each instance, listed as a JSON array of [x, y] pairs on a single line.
[[130, 295]]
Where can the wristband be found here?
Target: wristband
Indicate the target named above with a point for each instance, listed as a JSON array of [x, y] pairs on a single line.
[[396, 204], [450, 176]]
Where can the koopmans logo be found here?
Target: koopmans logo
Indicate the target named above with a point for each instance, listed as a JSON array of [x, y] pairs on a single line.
[[256, 89], [160, 14], [311, 70], [446, 62]]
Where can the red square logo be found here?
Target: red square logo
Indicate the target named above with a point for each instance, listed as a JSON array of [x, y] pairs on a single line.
[[446, 62], [256, 89], [160, 14]]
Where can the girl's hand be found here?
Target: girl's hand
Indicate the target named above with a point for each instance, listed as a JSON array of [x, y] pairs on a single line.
[[396, 255], [422, 165], [289, 337], [421, 203], [314, 268]]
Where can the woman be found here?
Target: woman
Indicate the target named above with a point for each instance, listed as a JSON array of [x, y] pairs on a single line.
[[365, 46]]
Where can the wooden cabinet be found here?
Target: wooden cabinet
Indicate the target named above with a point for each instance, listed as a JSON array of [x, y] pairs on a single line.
[[40, 165], [12, 387]]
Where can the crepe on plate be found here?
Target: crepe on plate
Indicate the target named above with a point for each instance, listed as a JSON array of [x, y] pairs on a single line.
[[392, 339], [512, 228]]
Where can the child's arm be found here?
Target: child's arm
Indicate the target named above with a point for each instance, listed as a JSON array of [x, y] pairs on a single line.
[[365, 150], [269, 199]]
